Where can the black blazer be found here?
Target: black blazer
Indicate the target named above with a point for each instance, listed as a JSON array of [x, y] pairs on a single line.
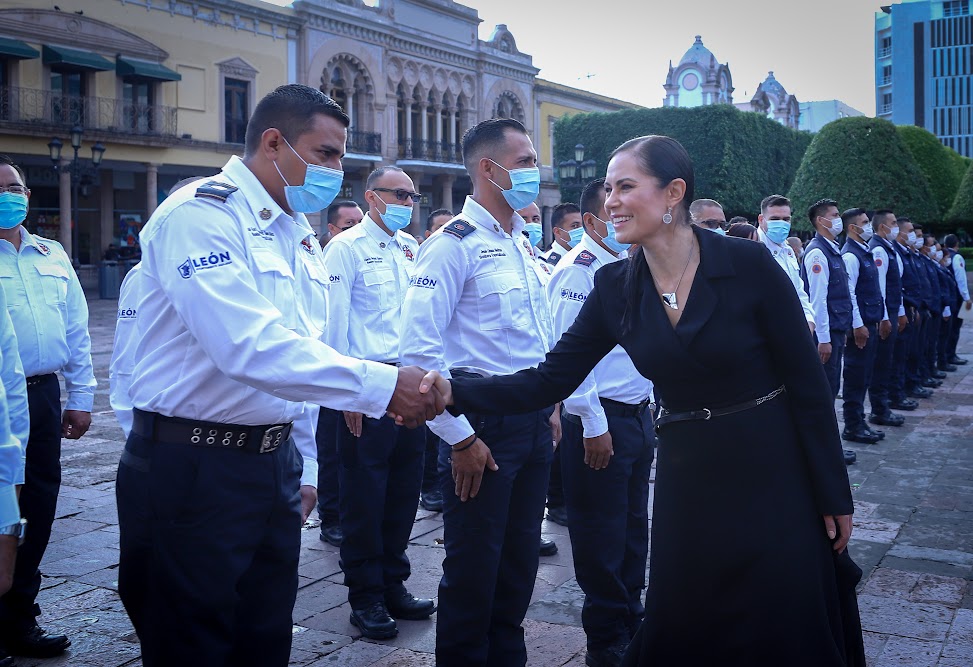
[[742, 334]]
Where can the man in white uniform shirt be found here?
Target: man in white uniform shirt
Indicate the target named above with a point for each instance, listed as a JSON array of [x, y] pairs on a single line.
[[476, 306], [774, 224], [380, 464], [606, 455], [211, 489]]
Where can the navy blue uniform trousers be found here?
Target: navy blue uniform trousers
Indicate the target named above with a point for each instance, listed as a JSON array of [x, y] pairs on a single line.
[[832, 367], [491, 545], [880, 390], [858, 368], [430, 464], [380, 475], [608, 521], [930, 353], [904, 342], [326, 437], [915, 370], [38, 501], [210, 540]]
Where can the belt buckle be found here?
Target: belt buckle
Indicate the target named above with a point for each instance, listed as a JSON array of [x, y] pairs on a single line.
[[272, 438]]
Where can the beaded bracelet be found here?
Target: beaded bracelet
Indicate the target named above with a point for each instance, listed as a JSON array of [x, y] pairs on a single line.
[[465, 447]]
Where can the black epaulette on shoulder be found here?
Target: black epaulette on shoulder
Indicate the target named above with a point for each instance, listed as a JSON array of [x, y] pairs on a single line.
[[552, 259], [584, 258], [459, 228], [216, 190]]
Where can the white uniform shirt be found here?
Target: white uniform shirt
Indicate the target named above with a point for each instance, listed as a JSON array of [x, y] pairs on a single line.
[[474, 304], [369, 275], [784, 256], [853, 268], [123, 350], [541, 267], [554, 255], [882, 263], [818, 274], [231, 310], [50, 315], [615, 376], [958, 264]]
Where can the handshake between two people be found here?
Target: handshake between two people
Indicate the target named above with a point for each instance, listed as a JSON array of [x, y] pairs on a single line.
[[419, 397]]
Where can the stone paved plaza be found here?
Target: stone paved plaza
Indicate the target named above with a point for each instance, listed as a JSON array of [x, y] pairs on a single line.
[[913, 537]]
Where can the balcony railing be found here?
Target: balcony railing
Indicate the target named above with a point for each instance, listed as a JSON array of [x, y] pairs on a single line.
[[885, 109], [432, 151], [885, 53], [369, 143], [886, 81], [46, 109]]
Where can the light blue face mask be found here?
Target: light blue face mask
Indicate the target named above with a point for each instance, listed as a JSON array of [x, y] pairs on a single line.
[[525, 184], [576, 236], [719, 230], [778, 230], [321, 186], [535, 231], [396, 216], [609, 240], [13, 209]]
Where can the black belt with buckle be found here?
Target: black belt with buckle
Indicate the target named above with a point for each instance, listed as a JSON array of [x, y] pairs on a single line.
[[705, 414], [253, 439], [35, 380], [614, 409]]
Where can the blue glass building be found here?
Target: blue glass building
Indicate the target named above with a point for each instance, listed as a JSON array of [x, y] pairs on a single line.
[[924, 68]]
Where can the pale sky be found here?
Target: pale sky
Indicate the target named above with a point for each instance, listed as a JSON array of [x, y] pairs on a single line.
[[818, 49]]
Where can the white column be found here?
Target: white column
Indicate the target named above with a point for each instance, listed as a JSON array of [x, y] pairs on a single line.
[[350, 96], [151, 188], [408, 128], [446, 182], [107, 205]]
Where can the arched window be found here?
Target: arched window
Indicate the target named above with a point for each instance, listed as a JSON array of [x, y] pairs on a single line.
[[508, 106]]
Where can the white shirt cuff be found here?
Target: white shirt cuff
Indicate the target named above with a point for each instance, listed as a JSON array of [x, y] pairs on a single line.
[[595, 424], [378, 385]]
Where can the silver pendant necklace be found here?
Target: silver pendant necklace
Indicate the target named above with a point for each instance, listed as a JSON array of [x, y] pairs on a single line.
[[669, 298]]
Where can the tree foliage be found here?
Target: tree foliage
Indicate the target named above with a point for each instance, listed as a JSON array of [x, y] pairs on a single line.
[[962, 210], [936, 164], [862, 162], [739, 158]]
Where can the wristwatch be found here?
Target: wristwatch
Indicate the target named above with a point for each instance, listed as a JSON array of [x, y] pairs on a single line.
[[16, 529]]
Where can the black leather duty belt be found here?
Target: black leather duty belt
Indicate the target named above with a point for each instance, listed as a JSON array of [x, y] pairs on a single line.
[[37, 379], [705, 414], [615, 409], [252, 439]]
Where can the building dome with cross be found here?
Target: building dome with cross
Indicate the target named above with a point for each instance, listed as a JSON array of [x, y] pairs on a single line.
[[698, 80]]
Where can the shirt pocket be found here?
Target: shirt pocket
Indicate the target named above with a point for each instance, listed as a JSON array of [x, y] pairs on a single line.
[[316, 299], [54, 282], [379, 288], [275, 281], [500, 301]]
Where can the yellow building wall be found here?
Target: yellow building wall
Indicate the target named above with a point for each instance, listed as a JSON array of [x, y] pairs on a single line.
[[551, 110]]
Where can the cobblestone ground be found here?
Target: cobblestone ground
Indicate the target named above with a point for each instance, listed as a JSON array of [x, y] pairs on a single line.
[[913, 537]]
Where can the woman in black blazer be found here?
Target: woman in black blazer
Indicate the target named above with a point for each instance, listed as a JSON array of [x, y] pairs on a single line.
[[752, 506]]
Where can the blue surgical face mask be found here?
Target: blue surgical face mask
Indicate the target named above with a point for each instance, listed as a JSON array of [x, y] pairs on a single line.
[[609, 239], [535, 231], [576, 235], [13, 209], [778, 230], [321, 186], [720, 231], [396, 216], [525, 184]]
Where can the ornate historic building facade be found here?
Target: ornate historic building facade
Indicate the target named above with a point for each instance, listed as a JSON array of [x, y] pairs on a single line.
[[773, 101]]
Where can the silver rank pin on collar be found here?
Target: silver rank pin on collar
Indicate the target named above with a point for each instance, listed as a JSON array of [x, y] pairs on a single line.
[[265, 214]]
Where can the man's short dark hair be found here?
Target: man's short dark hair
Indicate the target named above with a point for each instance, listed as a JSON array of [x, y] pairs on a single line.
[[774, 200], [697, 206], [485, 137], [881, 215], [561, 210], [6, 159], [336, 207], [851, 213], [435, 214], [737, 218], [291, 109], [378, 173], [909, 220], [592, 197], [951, 241], [819, 207]]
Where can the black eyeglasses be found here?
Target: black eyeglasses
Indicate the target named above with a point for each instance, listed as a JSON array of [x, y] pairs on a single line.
[[401, 195], [16, 189], [712, 224]]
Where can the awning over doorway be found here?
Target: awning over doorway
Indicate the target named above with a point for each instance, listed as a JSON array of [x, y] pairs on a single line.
[[74, 59], [14, 48], [130, 68]]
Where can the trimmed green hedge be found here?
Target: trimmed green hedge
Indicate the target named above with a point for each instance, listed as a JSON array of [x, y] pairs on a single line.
[[862, 162], [962, 210], [937, 165], [739, 157]]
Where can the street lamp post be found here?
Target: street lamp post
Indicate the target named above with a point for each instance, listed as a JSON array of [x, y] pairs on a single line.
[[78, 170], [575, 173]]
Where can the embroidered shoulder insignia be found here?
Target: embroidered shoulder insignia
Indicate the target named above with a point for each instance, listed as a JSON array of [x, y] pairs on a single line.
[[553, 258], [584, 258], [44, 249], [216, 190], [459, 228]]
